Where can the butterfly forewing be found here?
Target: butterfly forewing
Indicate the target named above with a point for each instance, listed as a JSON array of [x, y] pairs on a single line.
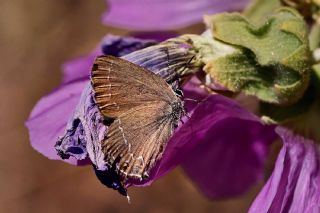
[[141, 104], [120, 85]]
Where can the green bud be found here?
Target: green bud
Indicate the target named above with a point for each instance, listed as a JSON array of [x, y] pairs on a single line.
[[270, 61]]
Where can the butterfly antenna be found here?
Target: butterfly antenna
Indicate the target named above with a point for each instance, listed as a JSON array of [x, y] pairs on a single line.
[[187, 63], [194, 100]]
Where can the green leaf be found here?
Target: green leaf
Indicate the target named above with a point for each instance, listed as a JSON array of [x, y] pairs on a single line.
[[272, 60]]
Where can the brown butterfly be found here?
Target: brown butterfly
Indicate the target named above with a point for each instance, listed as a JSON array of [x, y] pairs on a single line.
[[141, 110]]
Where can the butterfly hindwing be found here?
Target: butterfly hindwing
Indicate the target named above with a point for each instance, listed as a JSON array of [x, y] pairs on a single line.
[[137, 138]]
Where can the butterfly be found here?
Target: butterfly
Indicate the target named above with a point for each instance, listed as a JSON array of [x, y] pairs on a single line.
[[141, 110]]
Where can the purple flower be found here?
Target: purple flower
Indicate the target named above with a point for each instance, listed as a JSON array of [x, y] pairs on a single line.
[[222, 147], [221, 166], [165, 14]]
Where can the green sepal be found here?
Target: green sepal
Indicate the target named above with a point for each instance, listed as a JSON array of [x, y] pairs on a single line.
[[272, 61]]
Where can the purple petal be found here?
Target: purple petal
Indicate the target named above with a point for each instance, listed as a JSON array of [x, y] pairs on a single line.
[[294, 185], [156, 35], [48, 118], [79, 68], [206, 115], [230, 158], [164, 14], [83, 130]]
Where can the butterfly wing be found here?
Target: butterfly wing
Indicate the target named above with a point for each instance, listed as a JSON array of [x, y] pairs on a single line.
[[139, 101], [120, 85], [136, 139]]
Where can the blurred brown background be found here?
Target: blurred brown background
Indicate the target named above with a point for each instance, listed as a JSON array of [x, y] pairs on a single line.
[[36, 37]]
